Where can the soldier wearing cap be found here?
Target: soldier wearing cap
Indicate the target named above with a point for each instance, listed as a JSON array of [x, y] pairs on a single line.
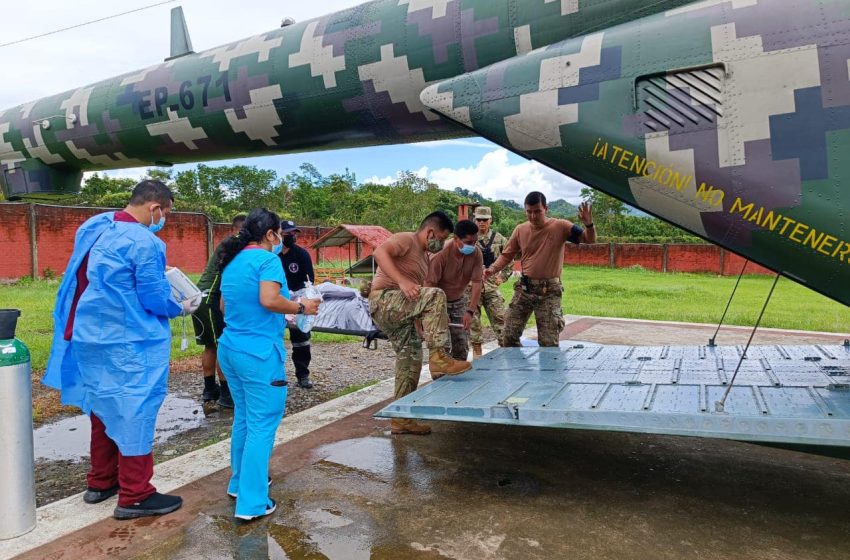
[[491, 243], [540, 242], [298, 267]]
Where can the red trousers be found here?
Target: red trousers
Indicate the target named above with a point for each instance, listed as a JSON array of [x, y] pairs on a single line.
[[109, 467]]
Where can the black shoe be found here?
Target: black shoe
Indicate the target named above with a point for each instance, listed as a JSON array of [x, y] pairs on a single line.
[[211, 392], [155, 504], [93, 496], [305, 383], [272, 505], [225, 400]]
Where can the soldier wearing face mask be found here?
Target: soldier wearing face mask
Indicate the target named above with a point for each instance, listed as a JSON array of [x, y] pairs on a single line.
[[298, 267], [399, 298], [458, 265]]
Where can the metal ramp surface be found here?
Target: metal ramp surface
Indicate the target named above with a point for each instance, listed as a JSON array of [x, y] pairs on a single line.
[[783, 394]]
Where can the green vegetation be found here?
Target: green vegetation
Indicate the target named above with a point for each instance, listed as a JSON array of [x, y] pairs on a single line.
[[35, 326], [310, 198], [636, 293], [353, 389], [632, 293]]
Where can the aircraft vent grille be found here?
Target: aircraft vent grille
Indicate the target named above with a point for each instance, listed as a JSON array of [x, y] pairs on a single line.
[[681, 101]]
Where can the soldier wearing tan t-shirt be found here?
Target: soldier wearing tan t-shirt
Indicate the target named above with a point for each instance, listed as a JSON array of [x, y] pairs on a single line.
[[540, 244], [452, 270], [398, 299]]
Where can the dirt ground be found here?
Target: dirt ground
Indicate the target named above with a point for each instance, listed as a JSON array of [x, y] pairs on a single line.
[[335, 369]]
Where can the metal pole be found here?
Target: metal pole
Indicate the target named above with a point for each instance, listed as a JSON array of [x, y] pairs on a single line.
[[711, 341], [719, 406]]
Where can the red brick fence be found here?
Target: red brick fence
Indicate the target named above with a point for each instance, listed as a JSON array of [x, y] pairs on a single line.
[[36, 240], [663, 258]]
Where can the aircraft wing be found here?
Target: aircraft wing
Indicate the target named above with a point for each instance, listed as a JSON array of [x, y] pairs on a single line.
[[728, 119]]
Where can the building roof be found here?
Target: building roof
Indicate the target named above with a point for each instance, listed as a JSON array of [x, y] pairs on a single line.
[[345, 234]]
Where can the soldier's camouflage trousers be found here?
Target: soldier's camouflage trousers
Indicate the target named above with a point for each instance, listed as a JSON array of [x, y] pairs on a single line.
[[459, 344], [546, 306], [494, 304], [394, 314]]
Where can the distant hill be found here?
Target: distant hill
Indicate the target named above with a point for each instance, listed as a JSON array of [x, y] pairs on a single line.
[[562, 209]]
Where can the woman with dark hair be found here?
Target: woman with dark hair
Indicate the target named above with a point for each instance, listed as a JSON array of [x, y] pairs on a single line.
[[252, 356]]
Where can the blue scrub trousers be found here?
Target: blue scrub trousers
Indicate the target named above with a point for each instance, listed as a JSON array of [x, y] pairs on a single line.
[[258, 410]]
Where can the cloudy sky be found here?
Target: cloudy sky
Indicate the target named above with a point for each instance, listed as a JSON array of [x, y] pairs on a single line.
[[66, 60]]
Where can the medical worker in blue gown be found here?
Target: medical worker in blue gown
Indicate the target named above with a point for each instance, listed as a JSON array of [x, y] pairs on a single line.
[[111, 346], [252, 356]]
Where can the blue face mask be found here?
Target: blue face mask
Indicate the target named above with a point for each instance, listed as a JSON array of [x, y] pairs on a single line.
[[276, 249], [156, 226], [467, 249]]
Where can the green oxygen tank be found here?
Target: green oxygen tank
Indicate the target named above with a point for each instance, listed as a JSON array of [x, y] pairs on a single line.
[[17, 463]]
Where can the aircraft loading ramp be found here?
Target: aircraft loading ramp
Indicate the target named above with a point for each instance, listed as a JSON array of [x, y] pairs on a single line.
[[782, 394]]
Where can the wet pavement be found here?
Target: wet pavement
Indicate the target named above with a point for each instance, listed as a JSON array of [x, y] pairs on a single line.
[[70, 438], [350, 490]]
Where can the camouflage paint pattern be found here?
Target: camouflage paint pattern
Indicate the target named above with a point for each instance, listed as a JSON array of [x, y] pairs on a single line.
[[728, 118], [351, 78], [458, 346], [491, 298], [395, 315], [548, 316]]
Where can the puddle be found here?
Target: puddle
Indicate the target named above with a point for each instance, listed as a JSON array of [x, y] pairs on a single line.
[[69, 439], [379, 458], [331, 536]]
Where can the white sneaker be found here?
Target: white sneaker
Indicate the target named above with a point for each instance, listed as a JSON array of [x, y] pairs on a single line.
[[270, 508]]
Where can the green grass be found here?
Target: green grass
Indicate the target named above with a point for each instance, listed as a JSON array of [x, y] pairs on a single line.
[[700, 298], [35, 326], [601, 292], [353, 389]]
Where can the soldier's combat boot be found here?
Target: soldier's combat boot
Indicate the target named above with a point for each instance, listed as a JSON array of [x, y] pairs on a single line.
[[476, 350], [440, 364], [400, 426], [212, 392]]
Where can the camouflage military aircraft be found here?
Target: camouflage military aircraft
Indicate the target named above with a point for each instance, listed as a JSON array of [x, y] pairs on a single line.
[[725, 117]]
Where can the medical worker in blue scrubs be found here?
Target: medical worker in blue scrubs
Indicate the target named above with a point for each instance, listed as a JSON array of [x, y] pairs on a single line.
[[112, 344], [252, 356]]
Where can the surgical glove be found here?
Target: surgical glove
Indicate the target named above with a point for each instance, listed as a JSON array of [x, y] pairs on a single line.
[[191, 305]]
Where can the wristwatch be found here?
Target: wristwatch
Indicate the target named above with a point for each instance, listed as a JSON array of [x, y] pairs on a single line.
[[300, 308], [588, 226]]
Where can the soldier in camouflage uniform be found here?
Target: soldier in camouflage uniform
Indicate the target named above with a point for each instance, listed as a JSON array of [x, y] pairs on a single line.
[[458, 269], [540, 241], [491, 243], [397, 301]]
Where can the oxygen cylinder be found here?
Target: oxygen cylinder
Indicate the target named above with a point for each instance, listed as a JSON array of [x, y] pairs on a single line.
[[17, 463]]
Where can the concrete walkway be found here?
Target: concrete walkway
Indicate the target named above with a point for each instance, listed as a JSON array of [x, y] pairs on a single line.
[[347, 489]]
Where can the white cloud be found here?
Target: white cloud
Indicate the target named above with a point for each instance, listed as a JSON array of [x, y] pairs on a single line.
[[136, 174], [480, 144], [495, 177]]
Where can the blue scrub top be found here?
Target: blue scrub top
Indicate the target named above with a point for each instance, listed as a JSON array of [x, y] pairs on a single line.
[[250, 327]]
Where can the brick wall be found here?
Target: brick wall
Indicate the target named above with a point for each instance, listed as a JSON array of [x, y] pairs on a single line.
[[693, 258], [189, 237], [15, 248], [647, 255], [588, 255]]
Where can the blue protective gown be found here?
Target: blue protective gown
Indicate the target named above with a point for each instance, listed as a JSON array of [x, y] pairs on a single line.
[[116, 363]]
